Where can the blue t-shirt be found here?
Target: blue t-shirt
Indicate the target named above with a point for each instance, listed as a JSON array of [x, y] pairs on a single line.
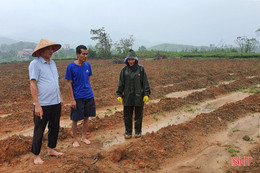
[[79, 74]]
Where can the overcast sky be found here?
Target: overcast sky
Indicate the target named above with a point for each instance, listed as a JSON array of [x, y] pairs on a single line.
[[192, 22]]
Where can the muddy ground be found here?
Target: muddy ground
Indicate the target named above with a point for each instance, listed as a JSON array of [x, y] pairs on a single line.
[[201, 113]]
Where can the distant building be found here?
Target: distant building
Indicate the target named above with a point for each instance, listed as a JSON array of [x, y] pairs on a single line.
[[24, 54]]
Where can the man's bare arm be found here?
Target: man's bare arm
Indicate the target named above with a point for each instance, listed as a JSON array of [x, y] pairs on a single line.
[[34, 92], [72, 99]]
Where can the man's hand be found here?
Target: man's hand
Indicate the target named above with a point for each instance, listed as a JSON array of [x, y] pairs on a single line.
[[119, 99], [73, 104], [62, 104], [38, 111], [146, 99]]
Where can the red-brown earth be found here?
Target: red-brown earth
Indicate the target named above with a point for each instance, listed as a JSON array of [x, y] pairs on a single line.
[[218, 104]]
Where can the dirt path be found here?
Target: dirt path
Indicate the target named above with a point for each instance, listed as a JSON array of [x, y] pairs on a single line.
[[214, 153], [4, 115], [189, 112]]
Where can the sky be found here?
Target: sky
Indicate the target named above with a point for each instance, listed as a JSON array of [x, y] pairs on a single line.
[[151, 22]]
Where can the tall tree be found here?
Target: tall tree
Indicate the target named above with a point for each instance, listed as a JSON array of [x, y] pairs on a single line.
[[104, 42], [142, 48], [124, 44], [245, 44]]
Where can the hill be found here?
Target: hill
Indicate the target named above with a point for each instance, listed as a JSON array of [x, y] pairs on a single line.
[[177, 47], [5, 40], [17, 46]]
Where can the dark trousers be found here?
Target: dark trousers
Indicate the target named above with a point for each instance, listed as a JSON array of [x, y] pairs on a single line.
[[128, 119], [51, 115]]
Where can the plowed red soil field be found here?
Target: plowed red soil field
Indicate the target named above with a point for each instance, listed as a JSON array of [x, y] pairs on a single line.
[[203, 116]]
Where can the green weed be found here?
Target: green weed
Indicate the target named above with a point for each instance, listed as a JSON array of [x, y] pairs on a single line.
[[254, 89], [234, 129], [194, 102], [241, 88], [190, 109], [109, 111], [232, 150], [155, 117], [247, 138], [161, 95], [102, 135], [7, 104]]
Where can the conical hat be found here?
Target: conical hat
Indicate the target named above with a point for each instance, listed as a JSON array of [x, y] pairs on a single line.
[[45, 43]]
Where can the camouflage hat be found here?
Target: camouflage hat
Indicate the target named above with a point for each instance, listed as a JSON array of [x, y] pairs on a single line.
[[131, 54]]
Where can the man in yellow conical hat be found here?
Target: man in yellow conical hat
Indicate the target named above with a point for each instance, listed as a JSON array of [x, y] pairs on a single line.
[[44, 86]]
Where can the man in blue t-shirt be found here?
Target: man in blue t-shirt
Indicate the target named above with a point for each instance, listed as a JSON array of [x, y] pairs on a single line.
[[80, 92]]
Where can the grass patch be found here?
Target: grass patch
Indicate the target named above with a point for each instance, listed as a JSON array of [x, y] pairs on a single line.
[[235, 129], [102, 135], [7, 104], [232, 150], [197, 167], [109, 111], [190, 109], [155, 117], [241, 88], [254, 89]]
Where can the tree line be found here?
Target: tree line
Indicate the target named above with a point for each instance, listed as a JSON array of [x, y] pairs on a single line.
[[105, 48]]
